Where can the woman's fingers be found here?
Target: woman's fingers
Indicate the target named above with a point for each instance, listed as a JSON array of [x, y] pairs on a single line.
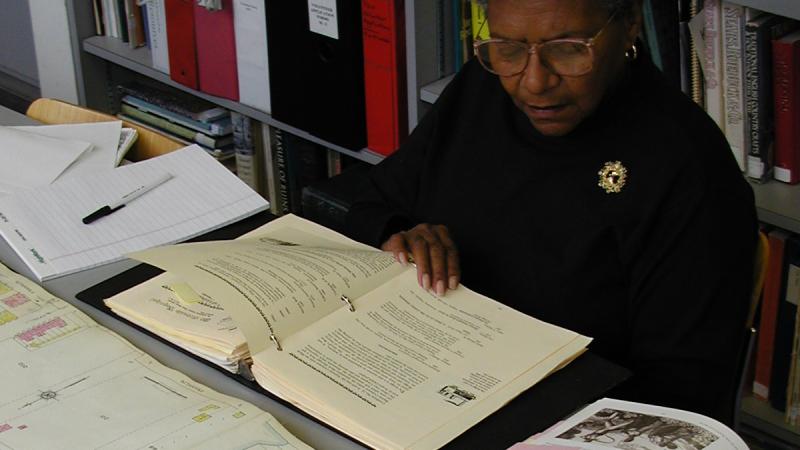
[[434, 253]]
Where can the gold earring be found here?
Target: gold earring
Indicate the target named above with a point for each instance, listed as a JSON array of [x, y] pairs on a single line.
[[632, 53]]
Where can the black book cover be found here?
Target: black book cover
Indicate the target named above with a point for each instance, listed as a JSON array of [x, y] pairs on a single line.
[[785, 327], [317, 69]]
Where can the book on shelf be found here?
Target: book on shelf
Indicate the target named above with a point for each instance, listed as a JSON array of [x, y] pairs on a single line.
[[383, 28], [247, 159], [345, 333], [786, 92], [181, 42], [733, 79], [711, 56], [221, 153], [218, 127], [611, 423], [323, 67], [97, 9], [175, 129], [180, 103], [157, 35], [327, 201], [134, 23], [759, 105], [269, 174], [306, 162], [770, 300], [280, 172], [216, 50], [77, 384], [252, 53], [480, 27], [785, 325]]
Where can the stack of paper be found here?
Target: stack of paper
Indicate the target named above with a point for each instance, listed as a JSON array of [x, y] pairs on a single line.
[[44, 225], [67, 382]]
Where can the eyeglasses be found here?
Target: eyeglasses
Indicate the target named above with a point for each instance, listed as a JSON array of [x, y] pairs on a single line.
[[567, 57]]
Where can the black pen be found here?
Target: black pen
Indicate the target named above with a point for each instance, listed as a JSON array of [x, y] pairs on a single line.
[[125, 199]]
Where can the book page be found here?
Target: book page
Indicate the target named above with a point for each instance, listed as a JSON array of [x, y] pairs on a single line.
[[413, 370], [69, 383], [609, 423], [279, 285]]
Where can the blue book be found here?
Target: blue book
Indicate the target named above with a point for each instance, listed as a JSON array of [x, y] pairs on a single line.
[[218, 127]]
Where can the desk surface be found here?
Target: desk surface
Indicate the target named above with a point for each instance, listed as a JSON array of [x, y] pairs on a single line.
[[582, 381]]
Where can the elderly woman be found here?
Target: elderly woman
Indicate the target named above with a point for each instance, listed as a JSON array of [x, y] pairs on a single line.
[[561, 175]]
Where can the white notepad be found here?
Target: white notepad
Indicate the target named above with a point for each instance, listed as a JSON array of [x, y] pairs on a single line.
[[45, 229]]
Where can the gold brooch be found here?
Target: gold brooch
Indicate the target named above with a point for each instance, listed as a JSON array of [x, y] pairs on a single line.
[[612, 177]]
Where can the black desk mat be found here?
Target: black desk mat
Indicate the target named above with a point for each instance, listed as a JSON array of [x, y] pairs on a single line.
[[582, 381]]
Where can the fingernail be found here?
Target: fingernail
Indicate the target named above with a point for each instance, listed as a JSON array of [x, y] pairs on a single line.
[[402, 258], [452, 282], [426, 282], [440, 288]]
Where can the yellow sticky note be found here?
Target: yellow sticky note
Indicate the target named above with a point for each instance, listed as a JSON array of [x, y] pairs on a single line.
[[185, 293]]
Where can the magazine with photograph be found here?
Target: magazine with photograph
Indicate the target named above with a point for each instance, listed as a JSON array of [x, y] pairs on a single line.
[[609, 423]]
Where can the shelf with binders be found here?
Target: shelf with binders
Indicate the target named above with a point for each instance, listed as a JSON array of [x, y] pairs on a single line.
[[138, 60], [761, 421]]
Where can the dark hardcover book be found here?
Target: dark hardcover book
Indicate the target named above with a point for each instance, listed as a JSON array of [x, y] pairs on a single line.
[[307, 162], [178, 102], [327, 201], [317, 80], [785, 326], [758, 36]]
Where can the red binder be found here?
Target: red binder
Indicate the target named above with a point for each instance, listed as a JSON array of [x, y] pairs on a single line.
[[384, 74], [180, 42], [216, 51]]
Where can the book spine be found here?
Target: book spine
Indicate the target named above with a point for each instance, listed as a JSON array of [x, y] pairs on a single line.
[[217, 128], [269, 178], [480, 27], [384, 74], [216, 51], [157, 27], [252, 56], [769, 315], [181, 42], [712, 57], [282, 205], [732, 30], [245, 150], [786, 76], [756, 165]]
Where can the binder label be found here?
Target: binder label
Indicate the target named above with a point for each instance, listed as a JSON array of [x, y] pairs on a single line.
[[323, 18]]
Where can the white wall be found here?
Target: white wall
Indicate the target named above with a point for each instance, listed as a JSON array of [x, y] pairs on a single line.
[[17, 56], [54, 58]]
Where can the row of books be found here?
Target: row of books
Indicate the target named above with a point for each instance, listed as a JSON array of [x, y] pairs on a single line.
[[751, 73], [776, 378], [280, 166], [333, 69]]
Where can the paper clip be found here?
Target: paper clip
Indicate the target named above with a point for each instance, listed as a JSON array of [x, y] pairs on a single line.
[[346, 299], [275, 340]]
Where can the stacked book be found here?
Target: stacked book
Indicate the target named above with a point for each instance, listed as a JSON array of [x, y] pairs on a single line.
[[182, 117]]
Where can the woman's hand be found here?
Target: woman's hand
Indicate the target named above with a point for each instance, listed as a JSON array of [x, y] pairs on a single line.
[[434, 253]]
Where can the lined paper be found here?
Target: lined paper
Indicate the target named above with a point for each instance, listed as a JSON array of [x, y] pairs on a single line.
[[44, 225]]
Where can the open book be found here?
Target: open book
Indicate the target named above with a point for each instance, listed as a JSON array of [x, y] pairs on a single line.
[[345, 333], [67, 382], [608, 424]]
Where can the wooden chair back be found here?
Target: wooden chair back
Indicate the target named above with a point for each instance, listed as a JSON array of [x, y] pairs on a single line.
[[149, 143]]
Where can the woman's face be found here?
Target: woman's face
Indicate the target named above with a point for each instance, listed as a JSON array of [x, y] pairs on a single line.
[[556, 104]]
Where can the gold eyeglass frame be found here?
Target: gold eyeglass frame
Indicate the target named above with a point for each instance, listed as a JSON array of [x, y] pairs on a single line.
[[533, 48]]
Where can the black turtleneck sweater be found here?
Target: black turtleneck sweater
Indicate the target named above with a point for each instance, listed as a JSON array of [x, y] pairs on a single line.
[[658, 274]]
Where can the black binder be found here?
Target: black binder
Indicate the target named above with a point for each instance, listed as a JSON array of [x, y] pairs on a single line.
[[316, 80]]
